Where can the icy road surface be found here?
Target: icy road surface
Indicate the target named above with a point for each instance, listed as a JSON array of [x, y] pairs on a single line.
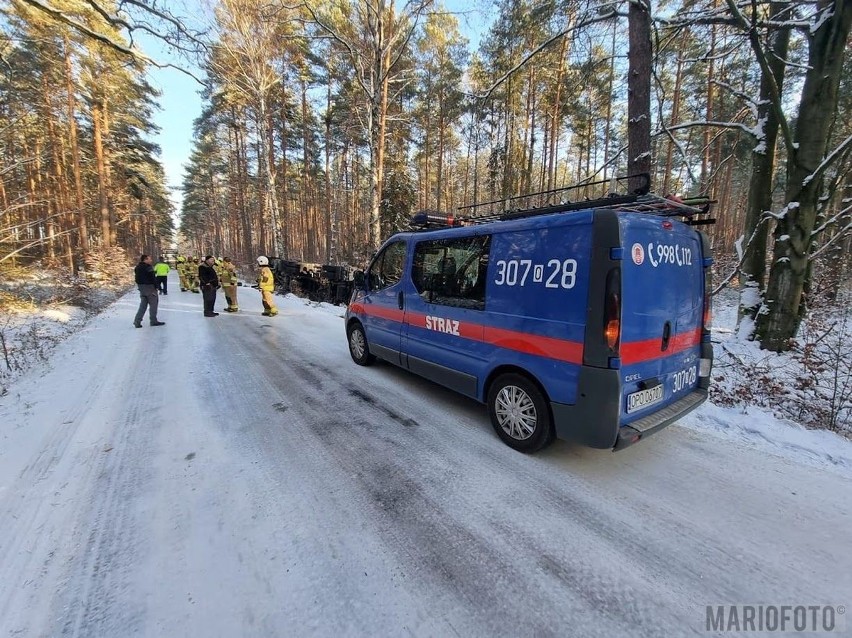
[[240, 476]]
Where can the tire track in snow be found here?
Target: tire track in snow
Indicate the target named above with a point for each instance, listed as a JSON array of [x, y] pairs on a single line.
[[95, 596], [31, 499]]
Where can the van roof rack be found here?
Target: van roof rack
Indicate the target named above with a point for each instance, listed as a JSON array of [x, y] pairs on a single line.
[[557, 200]]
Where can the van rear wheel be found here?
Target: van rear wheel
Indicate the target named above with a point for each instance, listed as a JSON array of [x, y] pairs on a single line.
[[358, 347], [520, 413]]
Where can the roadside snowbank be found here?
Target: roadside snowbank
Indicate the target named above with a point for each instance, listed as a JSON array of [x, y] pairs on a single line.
[[811, 384], [39, 308], [759, 429]]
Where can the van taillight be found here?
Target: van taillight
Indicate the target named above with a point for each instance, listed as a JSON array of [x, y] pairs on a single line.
[[612, 332], [612, 309], [708, 312]]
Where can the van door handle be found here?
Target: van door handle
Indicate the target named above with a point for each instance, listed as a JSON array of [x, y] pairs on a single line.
[[667, 334], [399, 300]]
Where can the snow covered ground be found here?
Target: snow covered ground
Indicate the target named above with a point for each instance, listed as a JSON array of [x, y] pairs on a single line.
[[240, 476]]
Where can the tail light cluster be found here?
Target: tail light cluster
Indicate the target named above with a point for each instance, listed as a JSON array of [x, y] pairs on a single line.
[[612, 310]]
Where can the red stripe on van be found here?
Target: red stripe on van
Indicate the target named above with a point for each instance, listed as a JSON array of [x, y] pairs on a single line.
[[638, 351], [559, 349], [383, 312]]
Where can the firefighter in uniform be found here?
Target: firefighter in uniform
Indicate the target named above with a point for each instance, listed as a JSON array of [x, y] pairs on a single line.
[[192, 275], [181, 268], [266, 283], [228, 280]]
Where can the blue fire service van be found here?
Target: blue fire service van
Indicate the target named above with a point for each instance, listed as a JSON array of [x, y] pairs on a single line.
[[587, 321]]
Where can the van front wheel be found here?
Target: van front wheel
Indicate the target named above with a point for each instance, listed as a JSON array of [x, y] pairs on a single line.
[[519, 413], [358, 348]]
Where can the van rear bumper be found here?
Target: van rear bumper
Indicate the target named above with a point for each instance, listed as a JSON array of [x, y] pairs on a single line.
[[597, 423], [646, 426]]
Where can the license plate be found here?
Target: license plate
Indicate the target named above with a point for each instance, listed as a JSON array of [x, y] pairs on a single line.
[[644, 398]]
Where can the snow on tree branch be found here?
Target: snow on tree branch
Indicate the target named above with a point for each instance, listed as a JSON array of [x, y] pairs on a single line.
[[749, 100], [834, 239], [829, 160], [825, 225], [742, 252], [713, 124]]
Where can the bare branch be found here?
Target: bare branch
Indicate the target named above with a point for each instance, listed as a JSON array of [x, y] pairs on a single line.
[[350, 49], [748, 99], [713, 124], [743, 253], [82, 28], [834, 239], [36, 243], [115, 21], [829, 160], [828, 222]]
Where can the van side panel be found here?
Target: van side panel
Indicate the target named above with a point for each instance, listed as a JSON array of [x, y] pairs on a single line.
[[538, 288]]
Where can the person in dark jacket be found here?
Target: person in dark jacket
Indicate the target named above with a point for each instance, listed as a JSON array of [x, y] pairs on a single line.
[[209, 283], [148, 295]]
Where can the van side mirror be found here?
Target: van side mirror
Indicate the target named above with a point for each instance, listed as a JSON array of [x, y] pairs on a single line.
[[359, 279]]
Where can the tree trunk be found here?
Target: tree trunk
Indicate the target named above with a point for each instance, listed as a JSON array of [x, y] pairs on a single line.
[[784, 294], [755, 233], [82, 225], [270, 192], [330, 217], [710, 114], [609, 102], [439, 182], [667, 171], [103, 204], [639, 92]]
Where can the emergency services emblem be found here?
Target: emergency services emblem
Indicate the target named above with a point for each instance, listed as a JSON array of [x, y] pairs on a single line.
[[638, 254]]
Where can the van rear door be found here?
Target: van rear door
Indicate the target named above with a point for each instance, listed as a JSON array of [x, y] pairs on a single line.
[[661, 315]]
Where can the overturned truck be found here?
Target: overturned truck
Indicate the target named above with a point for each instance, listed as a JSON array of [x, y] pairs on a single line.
[[331, 283]]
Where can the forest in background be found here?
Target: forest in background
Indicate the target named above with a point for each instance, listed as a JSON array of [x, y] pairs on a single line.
[[325, 125]]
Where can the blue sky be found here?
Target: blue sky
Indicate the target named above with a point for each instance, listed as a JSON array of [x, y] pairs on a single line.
[[180, 104]]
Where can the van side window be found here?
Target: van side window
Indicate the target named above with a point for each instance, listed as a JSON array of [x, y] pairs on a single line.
[[387, 267], [452, 272]]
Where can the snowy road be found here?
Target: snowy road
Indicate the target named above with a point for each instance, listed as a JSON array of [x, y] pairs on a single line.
[[240, 476]]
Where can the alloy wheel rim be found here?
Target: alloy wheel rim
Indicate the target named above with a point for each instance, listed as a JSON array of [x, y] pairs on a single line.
[[516, 413], [356, 343]]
